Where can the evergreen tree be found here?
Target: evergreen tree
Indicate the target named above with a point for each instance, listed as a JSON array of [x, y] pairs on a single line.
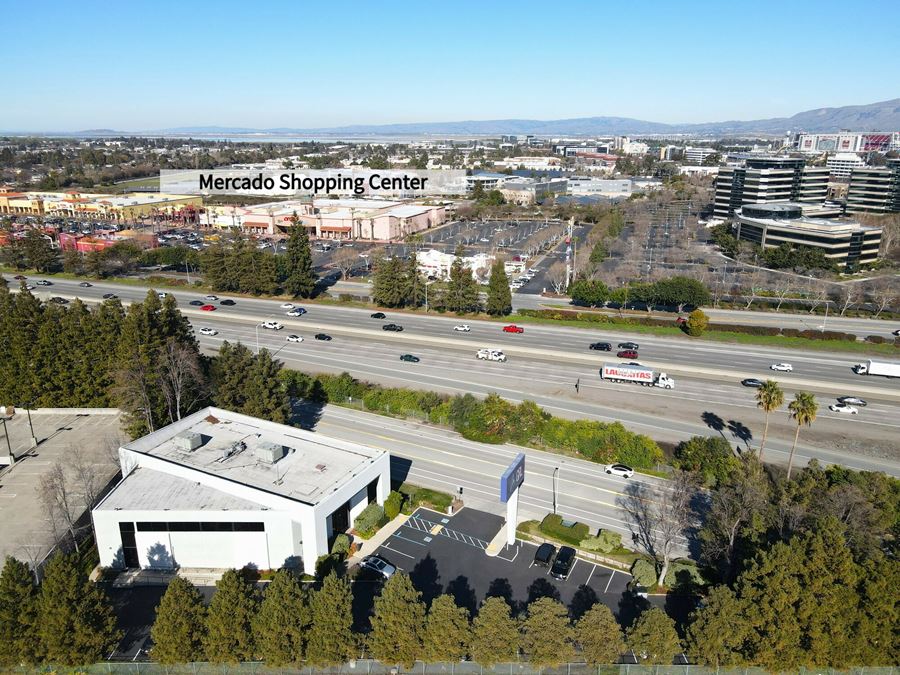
[[462, 289], [600, 636], [653, 637], [877, 642], [717, 632], [301, 280], [499, 296], [330, 639], [230, 371], [495, 635], [214, 264], [19, 642], [388, 283], [229, 635], [547, 634], [282, 623], [447, 631], [39, 251], [264, 395], [76, 624], [413, 283], [177, 632], [72, 262], [398, 622]]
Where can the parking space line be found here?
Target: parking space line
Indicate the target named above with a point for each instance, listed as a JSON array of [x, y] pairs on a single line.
[[610, 580], [396, 551], [593, 568], [412, 541], [569, 576]]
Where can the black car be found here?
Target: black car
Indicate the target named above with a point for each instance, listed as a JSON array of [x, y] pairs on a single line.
[[197, 303], [752, 382], [852, 400], [226, 302], [377, 315], [322, 336], [85, 284], [563, 564], [59, 301], [601, 346], [410, 358], [394, 328], [543, 557], [628, 345], [110, 296]]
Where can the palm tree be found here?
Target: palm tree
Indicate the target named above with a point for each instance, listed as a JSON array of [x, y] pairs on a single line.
[[769, 397], [803, 410]]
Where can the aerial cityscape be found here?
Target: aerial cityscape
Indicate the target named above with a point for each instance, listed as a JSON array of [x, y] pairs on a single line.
[[450, 338]]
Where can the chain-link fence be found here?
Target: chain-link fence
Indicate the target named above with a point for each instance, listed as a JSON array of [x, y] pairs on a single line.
[[369, 667]]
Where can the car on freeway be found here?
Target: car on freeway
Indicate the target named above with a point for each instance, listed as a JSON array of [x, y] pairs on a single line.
[[110, 296], [627, 354], [491, 355], [377, 315], [600, 346], [208, 331], [59, 301], [20, 277], [752, 382], [323, 336], [565, 559], [843, 408], [29, 287], [619, 470], [629, 345], [162, 294], [783, 367], [462, 328], [896, 333], [44, 282], [208, 308], [409, 358], [543, 557], [85, 284], [485, 240], [379, 564], [297, 311], [287, 305], [271, 325], [392, 327], [294, 338], [227, 302], [852, 400], [212, 298], [197, 303], [513, 328]]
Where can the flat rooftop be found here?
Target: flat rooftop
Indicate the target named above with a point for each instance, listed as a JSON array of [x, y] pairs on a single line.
[[235, 447]]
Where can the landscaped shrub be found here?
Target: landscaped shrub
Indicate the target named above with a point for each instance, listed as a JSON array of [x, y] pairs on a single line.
[[392, 505], [341, 545], [644, 573], [552, 526], [684, 576], [417, 496], [875, 339], [604, 542], [370, 520]]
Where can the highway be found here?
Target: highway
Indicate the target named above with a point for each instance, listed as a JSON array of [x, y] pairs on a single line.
[[546, 362]]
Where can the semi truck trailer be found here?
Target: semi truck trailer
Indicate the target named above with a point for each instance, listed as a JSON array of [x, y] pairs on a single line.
[[638, 374], [882, 368]]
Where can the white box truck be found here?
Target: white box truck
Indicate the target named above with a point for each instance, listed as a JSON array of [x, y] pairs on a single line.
[[639, 374], [877, 368]]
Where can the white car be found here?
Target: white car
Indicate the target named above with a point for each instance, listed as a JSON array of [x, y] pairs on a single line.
[[163, 294], [297, 311], [271, 325], [208, 331], [287, 305], [212, 298], [491, 355], [294, 338], [784, 367], [843, 408], [462, 328], [619, 470]]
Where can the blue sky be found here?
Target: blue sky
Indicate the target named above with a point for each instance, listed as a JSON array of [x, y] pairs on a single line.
[[152, 65]]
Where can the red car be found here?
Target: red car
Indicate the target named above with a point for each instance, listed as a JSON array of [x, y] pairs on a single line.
[[627, 354], [208, 308], [513, 328]]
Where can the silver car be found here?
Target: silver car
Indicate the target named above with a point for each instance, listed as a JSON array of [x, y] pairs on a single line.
[[378, 564]]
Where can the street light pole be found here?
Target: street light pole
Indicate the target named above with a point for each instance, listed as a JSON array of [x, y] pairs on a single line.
[[33, 437], [12, 457], [257, 338], [555, 474]]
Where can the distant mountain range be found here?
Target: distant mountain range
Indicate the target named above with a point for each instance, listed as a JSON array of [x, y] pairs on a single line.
[[883, 116]]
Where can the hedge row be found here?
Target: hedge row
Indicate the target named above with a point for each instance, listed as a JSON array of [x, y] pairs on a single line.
[[552, 526]]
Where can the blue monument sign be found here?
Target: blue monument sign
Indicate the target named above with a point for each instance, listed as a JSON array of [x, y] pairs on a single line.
[[512, 478]]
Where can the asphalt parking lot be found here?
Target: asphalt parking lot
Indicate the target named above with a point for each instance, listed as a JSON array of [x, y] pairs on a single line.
[[446, 554]]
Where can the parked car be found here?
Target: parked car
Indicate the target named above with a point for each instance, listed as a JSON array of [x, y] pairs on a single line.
[[462, 328], [543, 557], [227, 302], [783, 367], [377, 315], [323, 336], [627, 354], [853, 400], [600, 346], [409, 358], [379, 564], [619, 470], [208, 308], [271, 325], [197, 303], [513, 328], [110, 296], [297, 311], [294, 338], [563, 563], [629, 345], [752, 382], [208, 331], [394, 328], [85, 284], [843, 408]]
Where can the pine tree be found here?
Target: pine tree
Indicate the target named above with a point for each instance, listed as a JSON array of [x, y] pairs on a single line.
[[229, 373], [229, 635], [39, 251], [330, 639], [388, 283], [264, 395], [600, 636], [72, 262], [214, 264], [76, 624], [547, 633], [177, 632], [447, 631], [499, 296], [398, 622], [301, 279], [653, 638], [281, 625], [495, 635], [718, 630], [19, 642], [413, 283], [462, 289]]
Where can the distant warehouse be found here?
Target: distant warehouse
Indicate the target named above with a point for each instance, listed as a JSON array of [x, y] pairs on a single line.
[[219, 490]]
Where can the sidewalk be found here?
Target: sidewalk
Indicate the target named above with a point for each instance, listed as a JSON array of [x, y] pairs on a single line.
[[369, 546]]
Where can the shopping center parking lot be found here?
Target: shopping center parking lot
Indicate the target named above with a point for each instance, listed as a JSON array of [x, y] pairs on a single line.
[[446, 554]]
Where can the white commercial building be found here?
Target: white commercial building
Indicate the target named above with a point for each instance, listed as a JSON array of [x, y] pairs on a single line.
[[223, 490], [585, 187], [434, 263], [842, 164]]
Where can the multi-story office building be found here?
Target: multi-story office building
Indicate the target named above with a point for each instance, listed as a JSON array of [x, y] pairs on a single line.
[[845, 242], [842, 164], [764, 180], [698, 155], [875, 190]]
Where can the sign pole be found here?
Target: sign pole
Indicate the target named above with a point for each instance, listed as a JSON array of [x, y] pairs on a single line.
[[512, 511]]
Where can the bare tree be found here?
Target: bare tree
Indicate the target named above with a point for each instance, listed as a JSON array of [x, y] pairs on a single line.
[[884, 296], [848, 296], [132, 389], [181, 378], [556, 275], [344, 259], [817, 294], [59, 502], [783, 287]]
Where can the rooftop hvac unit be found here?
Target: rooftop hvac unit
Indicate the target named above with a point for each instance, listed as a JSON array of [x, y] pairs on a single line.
[[270, 452], [188, 441], [233, 449]]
